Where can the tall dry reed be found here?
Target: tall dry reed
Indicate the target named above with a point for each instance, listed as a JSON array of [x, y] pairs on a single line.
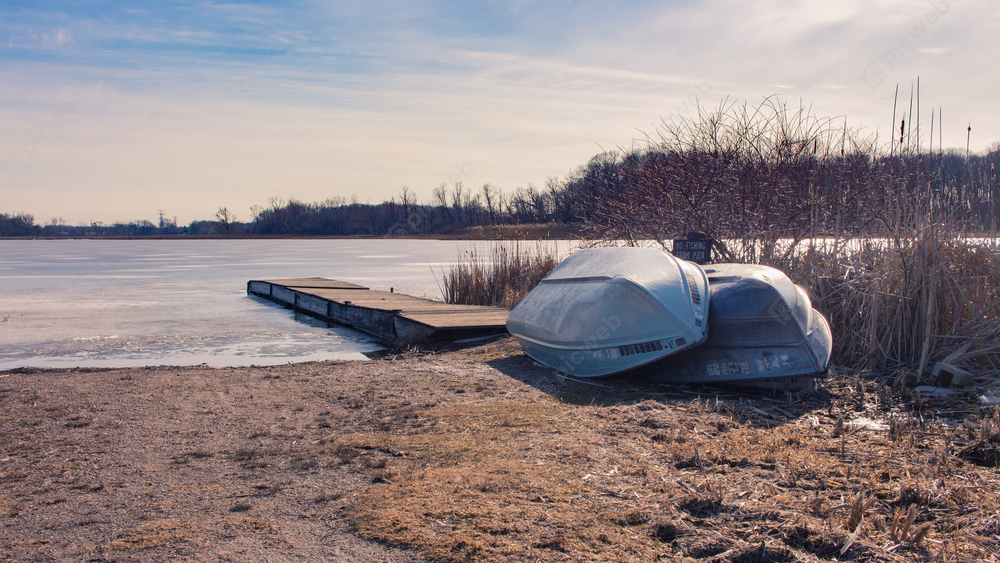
[[894, 245], [901, 305], [500, 277]]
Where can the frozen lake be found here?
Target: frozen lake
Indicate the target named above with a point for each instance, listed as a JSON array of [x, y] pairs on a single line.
[[118, 303]]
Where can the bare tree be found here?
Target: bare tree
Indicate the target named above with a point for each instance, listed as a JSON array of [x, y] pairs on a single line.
[[473, 209], [560, 200], [459, 199], [490, 200], [521, 205], [278, 214], [255, 217], [439, 197], [225, 218], [407, 199], [539, 202]]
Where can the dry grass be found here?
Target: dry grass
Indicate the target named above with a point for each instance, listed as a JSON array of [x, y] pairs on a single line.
[[612, 478], [897, 306], [532, 231], [8, 507], [480, 455], [898, 269], [198, 529], [500, 279]]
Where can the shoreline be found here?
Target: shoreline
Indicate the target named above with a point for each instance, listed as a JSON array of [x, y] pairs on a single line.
[[470, 454], [494, 233]]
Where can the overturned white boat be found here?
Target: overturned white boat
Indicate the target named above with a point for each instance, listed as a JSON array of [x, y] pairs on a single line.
[[608, 310], [761, 326]]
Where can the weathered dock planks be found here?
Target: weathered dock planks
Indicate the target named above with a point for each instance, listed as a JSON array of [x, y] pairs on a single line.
[[394, 318]]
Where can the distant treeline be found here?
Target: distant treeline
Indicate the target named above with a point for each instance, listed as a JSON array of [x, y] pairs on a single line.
[[450, 211], [763, 173], [23, 225], [737, 172]]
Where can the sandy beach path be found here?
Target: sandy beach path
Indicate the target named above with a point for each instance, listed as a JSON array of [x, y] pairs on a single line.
[[152, 464]]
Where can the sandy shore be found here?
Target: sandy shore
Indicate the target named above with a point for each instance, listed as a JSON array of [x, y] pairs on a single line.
[[473, 454], [201, 464]]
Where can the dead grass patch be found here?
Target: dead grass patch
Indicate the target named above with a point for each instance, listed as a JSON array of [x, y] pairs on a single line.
[[532, 470], [11, 475], [191, 530], [9, 508], [475, 487], [666, 479]]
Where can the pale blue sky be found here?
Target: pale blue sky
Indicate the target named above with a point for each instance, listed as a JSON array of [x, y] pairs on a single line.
[[111, 111]]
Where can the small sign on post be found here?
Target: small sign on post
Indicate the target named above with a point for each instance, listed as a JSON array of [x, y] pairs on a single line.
[[695, 248]]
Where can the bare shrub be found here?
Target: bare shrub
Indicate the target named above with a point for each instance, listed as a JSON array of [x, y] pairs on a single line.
[[890, 242], [500, 279]]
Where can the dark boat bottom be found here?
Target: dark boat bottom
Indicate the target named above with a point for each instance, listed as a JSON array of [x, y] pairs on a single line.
[[756, 366]]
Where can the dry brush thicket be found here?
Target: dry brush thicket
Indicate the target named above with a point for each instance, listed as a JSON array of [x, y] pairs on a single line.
[[501, 277], [895, 245]]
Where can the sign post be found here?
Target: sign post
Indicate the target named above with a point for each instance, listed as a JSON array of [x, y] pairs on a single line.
[[695, 248]]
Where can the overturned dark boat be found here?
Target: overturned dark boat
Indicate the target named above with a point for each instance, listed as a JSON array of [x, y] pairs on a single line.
[[607, 310], [761, 326]]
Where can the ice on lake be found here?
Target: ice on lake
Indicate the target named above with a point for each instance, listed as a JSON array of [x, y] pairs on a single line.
[[117, 303]]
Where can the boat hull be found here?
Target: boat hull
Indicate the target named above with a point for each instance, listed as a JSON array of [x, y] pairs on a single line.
[[761, 327], [608, 310]]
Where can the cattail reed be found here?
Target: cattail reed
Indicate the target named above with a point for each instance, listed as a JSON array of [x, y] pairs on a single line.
[[501, 278]]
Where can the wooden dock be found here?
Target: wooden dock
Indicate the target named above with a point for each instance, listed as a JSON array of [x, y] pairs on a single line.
[[393, 318]]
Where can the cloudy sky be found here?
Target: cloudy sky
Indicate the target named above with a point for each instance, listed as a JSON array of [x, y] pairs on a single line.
[[112, 111]]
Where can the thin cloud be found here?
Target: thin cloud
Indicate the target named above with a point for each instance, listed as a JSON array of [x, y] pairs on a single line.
[[62, 37], [234, 103]]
